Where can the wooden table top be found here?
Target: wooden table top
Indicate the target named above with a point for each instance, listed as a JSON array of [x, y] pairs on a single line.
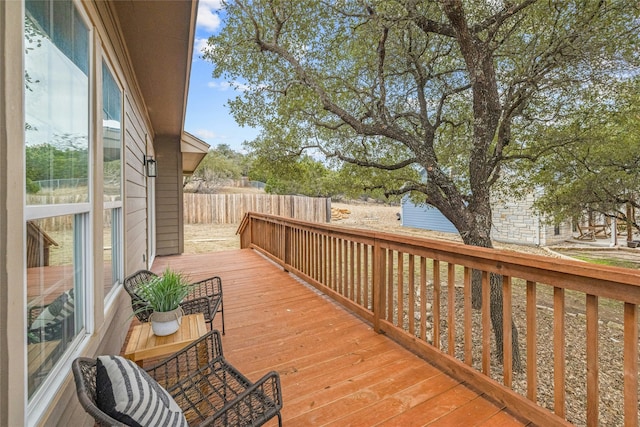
[[143, 344]]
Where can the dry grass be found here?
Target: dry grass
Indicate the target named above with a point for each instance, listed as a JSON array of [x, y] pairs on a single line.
[[208, 238], [203, 238]]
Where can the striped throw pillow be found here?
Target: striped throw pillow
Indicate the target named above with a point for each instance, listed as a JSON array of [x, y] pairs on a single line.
[[128, 394], [60, 309]]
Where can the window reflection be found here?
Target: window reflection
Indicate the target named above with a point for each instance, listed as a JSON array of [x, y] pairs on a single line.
[[57, 171], [111, 136], [107, 254], [56, 101], [112, 180], [53, 274]]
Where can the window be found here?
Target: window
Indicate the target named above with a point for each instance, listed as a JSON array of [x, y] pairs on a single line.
[[56, 104], [55, 250], [112, 180], [58, 188]]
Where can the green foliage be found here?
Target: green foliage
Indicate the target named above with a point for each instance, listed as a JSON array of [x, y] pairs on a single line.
[[32, 187], [455, 89], [48, 161], [592, 162], [609, 261], [221, 163], [166, 292]]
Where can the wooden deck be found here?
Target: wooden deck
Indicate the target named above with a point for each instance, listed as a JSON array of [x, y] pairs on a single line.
[[335, 370]]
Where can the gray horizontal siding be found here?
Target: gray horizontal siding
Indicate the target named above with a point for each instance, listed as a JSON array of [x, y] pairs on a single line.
[[425, 216]]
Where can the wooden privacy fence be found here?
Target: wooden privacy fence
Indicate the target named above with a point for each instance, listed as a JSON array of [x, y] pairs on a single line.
[[231, 208], [419, 292]]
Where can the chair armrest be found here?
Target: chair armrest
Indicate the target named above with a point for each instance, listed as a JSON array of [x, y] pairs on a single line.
[[84, 373], [264, 398], [205, 305], [189, 359], [208, 287]]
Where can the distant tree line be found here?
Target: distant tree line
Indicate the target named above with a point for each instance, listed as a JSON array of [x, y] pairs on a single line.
[[295, 175]]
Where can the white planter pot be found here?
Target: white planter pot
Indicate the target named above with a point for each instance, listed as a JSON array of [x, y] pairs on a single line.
[[166, 322]]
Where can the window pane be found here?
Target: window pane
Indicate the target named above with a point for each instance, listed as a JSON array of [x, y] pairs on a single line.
[[55, 271], [111, 136], [56, 105], [112, 252]]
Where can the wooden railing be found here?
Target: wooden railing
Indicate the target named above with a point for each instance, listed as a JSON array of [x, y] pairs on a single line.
[[403, 286]]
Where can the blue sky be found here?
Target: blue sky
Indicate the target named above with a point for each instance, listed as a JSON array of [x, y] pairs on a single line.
[[207, 116]]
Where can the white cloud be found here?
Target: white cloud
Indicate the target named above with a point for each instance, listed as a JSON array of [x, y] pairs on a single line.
[[205, 134], [222, 86], [207, 18], [199, 44], [237, 86]]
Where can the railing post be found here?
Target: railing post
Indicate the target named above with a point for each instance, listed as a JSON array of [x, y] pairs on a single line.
[[379, 273]]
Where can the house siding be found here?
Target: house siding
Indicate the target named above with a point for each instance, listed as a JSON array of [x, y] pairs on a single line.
[[425, 216], [513, 222], [135, 187], [169, 210]]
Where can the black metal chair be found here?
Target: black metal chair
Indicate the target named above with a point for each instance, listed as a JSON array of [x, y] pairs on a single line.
[[205, 298], [205, 386]]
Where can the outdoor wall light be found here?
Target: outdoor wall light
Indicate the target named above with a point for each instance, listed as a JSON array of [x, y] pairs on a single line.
[[152, 170]]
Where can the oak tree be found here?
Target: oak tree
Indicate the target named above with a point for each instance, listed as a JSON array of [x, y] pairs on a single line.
[[448, 87]]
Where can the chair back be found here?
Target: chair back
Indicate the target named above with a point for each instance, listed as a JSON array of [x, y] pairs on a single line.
[[84, 374], [132, 285]]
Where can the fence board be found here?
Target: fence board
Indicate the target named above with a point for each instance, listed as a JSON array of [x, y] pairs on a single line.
[[230, 208]]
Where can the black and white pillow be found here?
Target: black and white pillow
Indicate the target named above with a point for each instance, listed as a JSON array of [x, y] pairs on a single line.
[[128, 394]]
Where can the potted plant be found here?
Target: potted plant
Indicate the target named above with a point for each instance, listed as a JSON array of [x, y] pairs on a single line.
[[164, 295]]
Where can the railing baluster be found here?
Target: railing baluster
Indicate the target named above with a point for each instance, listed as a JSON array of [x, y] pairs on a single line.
[[468, 320], [365, 273], [592, 360], [412, 295], [339, 243], [307, 252], [486, 324], [315, 249], [359, 274], [400, 275], [436, 303], [451, 310], [345, 268], [296, 248], [630, 365], [352, 269], [558, 352], [327, 267], [507, 348], [390, 283], [379, 274], [334, 263], [532, 360], [423, 298]]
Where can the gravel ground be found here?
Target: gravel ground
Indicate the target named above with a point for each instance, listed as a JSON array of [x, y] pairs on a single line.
[[208, 238]]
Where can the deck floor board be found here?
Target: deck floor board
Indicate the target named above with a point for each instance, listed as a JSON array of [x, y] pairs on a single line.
[[335, 370]]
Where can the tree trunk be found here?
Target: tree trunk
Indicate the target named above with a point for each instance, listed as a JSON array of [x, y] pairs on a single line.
[[495, 302]]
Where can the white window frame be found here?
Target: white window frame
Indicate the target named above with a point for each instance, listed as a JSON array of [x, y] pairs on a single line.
[[117, 246], [38, 404]]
